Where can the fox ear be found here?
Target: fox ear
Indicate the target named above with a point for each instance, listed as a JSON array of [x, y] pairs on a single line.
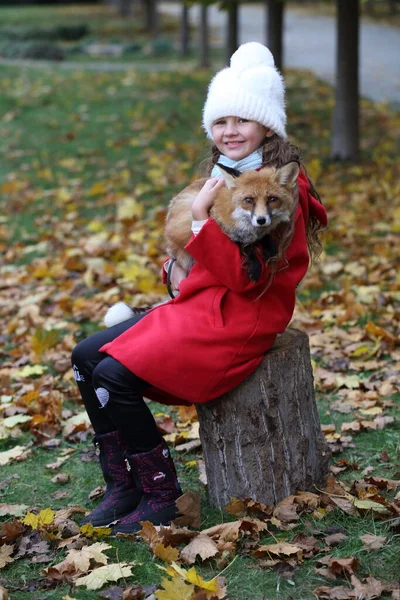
[[230, 175], [288, 173]]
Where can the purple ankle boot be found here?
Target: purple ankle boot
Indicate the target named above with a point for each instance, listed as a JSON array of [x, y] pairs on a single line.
[[122, 495], [154, 473]]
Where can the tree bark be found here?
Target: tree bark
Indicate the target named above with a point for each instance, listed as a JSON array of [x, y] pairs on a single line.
[[263, 440], [184, 31], [125, 8], [232, 30], [275, 17], [204, 38], [151, 16], [345, 140]]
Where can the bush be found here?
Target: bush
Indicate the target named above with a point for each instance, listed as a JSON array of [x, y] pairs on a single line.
[[32, 49], [58, 32]]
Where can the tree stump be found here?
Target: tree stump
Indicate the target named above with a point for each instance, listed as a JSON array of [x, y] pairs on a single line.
[[263, 439]]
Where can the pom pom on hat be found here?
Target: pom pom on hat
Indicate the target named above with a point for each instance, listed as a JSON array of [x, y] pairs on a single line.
[[251, 55], [251, 88]]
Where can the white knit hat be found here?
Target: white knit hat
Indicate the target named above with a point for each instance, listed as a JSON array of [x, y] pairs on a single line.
[[251, 88]]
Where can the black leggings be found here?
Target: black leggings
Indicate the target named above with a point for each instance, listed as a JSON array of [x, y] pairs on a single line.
[[113, 395]]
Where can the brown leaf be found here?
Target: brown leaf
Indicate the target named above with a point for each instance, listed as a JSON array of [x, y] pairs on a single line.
[[281, 549], [5, 555], [226, 531], [344, 566], [373, 588], [335, 539], [202, 545], [373, 542], [10, 531], [189, 508], [335, 593]]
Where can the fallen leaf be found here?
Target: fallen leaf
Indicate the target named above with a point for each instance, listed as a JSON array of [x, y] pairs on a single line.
[[202, 545], [175, 589], [98, 577], [373, 542], [5, 555]]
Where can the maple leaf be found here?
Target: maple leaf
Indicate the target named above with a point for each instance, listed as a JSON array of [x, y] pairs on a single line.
[[166, 553], [175, 589], [5, 555], [202, 546], [45, 517], [98, 577], [81, 558]]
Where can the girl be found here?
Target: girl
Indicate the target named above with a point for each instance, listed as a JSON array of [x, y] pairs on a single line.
[[216, 332]]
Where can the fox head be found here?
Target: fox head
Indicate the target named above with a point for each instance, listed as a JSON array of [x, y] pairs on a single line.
[[254, 203]]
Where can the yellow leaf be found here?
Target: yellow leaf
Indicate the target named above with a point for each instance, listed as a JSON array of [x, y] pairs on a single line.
[[98, 577], [31, 520], [95, 226], [166, 553], [374, 410], [30, 370], [128, 209], [371, 505], [193, 577], [43, 339], [46, 516], [97, 189], [176, 589]]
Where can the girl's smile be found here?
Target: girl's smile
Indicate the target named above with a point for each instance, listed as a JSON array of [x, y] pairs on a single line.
[[237, 138]]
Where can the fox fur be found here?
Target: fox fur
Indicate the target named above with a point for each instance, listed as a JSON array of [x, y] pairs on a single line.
[[248, 209]]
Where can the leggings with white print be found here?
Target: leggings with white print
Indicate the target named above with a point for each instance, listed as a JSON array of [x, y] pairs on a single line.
[[113, 395]]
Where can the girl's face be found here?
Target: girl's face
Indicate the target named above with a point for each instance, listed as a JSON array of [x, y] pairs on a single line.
[[237, 138]]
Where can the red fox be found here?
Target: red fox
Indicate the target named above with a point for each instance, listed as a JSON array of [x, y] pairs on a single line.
[[248, 209]]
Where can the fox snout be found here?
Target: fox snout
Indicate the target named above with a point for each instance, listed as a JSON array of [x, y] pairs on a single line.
[[260, 220]]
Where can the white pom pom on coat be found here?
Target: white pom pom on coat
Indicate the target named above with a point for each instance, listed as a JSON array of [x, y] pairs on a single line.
[[117, 314]]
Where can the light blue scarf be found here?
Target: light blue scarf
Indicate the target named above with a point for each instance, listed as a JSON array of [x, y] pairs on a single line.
[[253, 161]]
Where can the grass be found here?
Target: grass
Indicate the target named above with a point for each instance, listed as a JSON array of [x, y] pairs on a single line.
[[72, 144]]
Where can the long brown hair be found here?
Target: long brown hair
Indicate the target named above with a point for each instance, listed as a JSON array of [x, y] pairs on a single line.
[[277, 152]]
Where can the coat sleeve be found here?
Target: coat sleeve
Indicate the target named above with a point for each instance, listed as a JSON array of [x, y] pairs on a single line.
[[216, 252]]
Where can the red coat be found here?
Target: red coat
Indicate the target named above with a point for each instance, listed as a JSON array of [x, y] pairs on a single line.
[[216, 332]]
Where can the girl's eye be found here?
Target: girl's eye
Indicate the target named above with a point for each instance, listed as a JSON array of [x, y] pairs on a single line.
[[243, 120], [248, 200], [220, 122]]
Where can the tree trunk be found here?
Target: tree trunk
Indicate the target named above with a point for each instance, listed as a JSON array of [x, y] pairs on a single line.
[[204, 40], [184, 31], [232, 30], [151, 16], [125, 8], [345, 142], [263, 440], [275, 17]]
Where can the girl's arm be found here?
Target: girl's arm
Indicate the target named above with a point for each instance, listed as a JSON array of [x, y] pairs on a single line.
[[216, 252]]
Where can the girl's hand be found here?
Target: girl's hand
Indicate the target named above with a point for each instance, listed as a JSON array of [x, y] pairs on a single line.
[[205, 198], [177, 275]]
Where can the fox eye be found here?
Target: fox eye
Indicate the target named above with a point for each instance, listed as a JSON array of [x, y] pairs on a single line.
[[248, 200], [273, 200]]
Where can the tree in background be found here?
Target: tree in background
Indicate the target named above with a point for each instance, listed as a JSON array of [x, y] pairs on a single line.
[[274, 10], [345, 126], [184, 29], [232, 29]]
